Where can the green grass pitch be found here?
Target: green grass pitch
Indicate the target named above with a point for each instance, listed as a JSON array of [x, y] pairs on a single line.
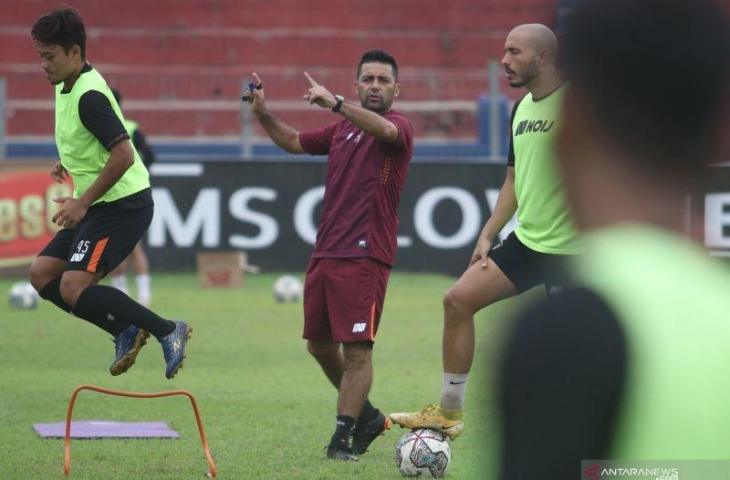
[[267, 408]]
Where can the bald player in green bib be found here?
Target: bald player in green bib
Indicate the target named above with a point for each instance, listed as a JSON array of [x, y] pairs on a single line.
[[111, 207], [534, 253]]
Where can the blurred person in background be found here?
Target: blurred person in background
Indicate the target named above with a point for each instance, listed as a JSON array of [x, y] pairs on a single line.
[[111, 207], [138, 257], [634, 362], [369, 151], [532, 255]]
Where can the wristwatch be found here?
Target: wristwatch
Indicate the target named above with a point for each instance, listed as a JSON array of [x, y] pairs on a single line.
[[338, 105]]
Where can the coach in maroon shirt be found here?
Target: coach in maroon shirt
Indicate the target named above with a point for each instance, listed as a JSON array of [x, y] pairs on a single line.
[[369, 151]]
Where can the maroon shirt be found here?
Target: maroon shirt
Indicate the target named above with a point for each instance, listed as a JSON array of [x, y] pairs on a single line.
[[365, 177]]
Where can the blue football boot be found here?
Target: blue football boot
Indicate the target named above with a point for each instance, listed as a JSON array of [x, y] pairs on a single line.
[[126, 347], [173, 347]]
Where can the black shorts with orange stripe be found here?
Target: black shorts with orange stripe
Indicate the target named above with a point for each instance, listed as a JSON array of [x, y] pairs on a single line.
[[105, 236]]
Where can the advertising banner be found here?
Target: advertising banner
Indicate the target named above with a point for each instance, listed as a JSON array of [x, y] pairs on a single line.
[[26, 209], [270, 210]]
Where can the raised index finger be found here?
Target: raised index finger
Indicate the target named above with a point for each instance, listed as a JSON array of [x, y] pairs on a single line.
[[311, 80], [256, 78]]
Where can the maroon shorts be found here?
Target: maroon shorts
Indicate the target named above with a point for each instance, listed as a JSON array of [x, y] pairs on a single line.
[[343, 298]]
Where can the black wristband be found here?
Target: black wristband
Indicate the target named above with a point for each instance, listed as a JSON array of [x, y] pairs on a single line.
[[338, 105]]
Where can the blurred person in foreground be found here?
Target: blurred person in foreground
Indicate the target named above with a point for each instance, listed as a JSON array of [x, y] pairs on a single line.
[[111, 207], [634, 362], [369, 150], [532, 255], [138, 257]]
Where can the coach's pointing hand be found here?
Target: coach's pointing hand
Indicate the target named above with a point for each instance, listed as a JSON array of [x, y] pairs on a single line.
[[318, 94], [255, 95]]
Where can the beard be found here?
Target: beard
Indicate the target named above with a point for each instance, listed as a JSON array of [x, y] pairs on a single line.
[[380, 107], [527, 77]]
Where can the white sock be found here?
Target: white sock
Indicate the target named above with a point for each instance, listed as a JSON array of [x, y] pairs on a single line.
[[144, 292], [453, 391], [120, 283]]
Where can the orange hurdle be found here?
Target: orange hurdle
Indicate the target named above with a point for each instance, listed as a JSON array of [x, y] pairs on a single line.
[[213, 471]]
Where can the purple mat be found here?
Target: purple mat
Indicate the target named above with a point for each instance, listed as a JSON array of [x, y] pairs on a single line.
[[106, 429]]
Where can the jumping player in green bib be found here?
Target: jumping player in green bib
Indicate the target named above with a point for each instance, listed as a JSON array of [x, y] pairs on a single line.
[[111, 206]]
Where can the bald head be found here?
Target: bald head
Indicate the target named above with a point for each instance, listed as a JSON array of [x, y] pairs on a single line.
[[530, 53], [538, 37]]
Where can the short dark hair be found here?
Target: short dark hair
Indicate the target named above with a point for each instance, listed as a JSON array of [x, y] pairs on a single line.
[[668, 117], [62, 26], [379, 56]]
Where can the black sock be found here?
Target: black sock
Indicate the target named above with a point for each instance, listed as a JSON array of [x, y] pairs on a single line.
[[341, 437], [102, 301], [367, 413], [52, 293]]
